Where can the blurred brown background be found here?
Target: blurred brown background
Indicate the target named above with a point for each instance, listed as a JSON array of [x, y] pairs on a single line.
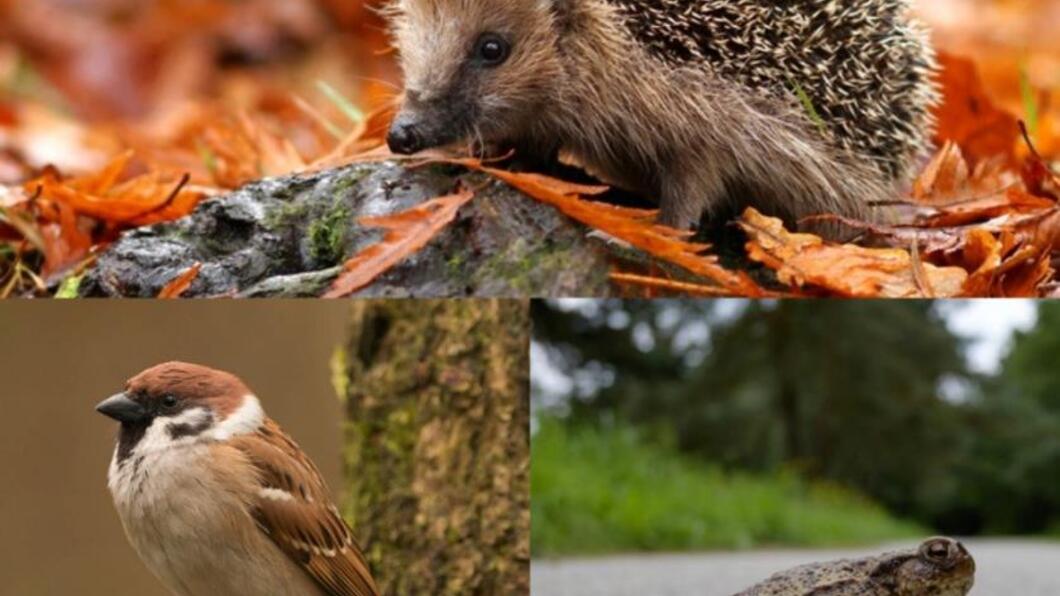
[[60, 532]]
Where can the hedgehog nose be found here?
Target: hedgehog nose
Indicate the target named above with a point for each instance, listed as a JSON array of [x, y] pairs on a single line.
[[403, 139]]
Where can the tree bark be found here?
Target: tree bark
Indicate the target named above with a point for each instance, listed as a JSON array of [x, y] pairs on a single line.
[[438, 451]]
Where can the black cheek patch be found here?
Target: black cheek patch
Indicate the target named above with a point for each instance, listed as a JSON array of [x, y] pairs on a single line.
[[177, 431], [128, 437]]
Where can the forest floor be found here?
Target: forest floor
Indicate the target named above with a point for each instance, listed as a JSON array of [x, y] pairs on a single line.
[[117, 116], [1024, 567]]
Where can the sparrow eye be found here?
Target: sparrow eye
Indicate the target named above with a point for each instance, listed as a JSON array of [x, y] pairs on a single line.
[[169, 401], [492, 49]]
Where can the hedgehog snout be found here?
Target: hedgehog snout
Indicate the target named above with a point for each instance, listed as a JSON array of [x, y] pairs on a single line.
[[404, 138]]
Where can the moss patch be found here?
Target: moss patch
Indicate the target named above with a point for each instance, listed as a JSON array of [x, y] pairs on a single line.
[[287, 216], [327, 234], [522, 266]]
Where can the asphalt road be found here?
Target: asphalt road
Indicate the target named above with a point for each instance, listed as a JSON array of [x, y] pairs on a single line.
[[1004, 568]]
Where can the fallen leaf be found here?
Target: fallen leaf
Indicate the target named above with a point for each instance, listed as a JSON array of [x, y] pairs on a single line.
[[968, 117], [407, 232], [669, 285], [945, 177], [636, 227], [1037, 176], [1012, 201], [984, 252], [1026, 273], [847, 270], [181, 283]]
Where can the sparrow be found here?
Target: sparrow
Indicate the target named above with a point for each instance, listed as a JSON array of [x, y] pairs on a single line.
[[216, 499]]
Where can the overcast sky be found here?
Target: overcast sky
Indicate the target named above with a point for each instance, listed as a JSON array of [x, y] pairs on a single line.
[[989, 325]]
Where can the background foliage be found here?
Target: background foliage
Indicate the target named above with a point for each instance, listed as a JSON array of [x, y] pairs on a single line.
[[873, 397]]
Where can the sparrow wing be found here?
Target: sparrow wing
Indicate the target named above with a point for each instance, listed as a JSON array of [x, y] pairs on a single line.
[[293, 507]]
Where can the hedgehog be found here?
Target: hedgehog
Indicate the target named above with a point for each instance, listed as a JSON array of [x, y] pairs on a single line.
[[795, 107]]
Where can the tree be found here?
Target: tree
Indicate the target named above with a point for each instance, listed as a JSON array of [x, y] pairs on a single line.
[[1030, 367], [1021, 442], [849, 391], [871, 395], [437, 459], [642, 341]]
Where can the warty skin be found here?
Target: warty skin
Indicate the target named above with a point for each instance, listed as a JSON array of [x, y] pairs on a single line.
[[939, 566], [216, 499], [681, 132]]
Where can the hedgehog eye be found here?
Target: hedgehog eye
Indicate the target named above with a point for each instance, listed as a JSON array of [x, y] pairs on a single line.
[[169, 401], [492, 49]]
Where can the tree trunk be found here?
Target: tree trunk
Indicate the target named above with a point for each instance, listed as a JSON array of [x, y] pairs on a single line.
[[438, 450], [787, 382]]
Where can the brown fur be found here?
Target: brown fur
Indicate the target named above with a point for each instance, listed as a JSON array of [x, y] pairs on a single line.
[[578, 80]]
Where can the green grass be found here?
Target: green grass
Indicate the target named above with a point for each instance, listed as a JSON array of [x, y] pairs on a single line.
[[608, 491], [1030, 103]]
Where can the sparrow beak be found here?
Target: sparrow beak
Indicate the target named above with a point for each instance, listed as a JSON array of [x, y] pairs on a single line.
[[122, 409]]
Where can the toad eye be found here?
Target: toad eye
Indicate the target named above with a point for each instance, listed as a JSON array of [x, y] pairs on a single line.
[[938, 550], [170, 401], [492, 49]]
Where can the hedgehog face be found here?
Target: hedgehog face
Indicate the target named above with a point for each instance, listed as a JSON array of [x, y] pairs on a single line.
[[475, 70]]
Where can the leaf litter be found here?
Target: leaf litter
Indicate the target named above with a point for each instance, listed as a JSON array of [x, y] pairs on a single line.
[[980, 220]]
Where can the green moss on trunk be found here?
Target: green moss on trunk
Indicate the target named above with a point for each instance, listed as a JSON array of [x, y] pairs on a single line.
[[437, 435]]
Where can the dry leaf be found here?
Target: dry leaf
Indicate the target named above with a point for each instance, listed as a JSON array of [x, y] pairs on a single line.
[[847, 270], [634, 226], [969, 118], [197, 124], [407, 232], [668, 285], [945, 177], [984, 252], [181, 283], [1037, 176]]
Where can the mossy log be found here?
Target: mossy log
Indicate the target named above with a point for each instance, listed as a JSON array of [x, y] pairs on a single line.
[[438, 455], [288, 236]]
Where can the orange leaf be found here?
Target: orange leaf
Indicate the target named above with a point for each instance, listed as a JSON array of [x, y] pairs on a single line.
[[277, 156], [635, 226], [181, 283], [141, 200], [847, 270], [1025, 273], [368, 138], [407, 232], [1036, 174], [983, 251], [106, 178], [968, 117], [1013, 201], [945, 177], [658, 283]]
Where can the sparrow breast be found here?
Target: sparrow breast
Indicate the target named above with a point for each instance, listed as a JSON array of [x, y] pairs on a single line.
[[184, 513]]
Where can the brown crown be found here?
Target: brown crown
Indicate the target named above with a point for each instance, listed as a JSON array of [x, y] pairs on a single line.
[[222, 391]]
